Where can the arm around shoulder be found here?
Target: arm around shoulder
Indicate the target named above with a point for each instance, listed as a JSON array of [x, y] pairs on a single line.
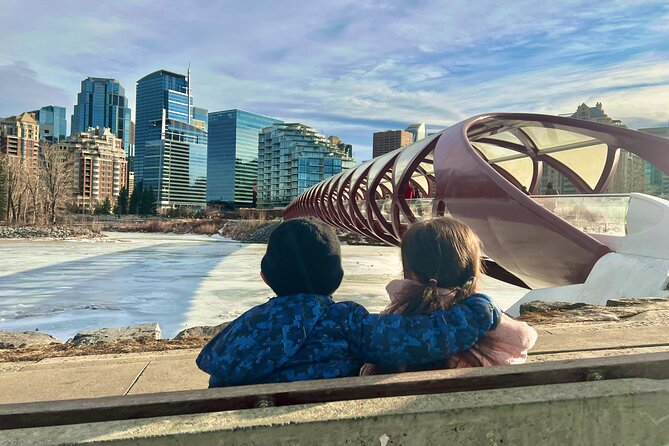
[[392, 340]]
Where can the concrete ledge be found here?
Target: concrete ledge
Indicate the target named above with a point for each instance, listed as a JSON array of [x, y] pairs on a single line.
[[626, 411]]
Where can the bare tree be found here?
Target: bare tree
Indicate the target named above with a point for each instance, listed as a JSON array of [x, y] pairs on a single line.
[[33, 188], [57, 177], [14, 188], [3, 187]]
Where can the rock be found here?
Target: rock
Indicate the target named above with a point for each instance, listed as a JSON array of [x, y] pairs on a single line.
[[54, 232], [636, 301], [206, 331], [539, 306], [149, 331], [615, 310], [260, 235], [20, 339]]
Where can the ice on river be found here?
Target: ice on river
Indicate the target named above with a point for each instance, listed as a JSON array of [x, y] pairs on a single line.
[[179, 281]]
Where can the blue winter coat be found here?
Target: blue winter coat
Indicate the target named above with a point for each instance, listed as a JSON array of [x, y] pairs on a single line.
[[306, 336]]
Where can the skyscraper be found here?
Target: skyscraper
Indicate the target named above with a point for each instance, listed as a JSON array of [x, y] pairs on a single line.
[[390, 140], [232, 156], [102, 103], [418, 131], [52, 122], [292, 157], [170, 141], [657, 182]]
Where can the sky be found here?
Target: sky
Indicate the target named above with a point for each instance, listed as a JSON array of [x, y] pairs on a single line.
[[349, 67]]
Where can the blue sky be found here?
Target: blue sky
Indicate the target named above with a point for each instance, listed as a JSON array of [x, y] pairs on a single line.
[[350, 68]]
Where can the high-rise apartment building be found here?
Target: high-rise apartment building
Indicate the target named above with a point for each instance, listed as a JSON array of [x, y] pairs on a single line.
[[418, 131], [232, 156], [629, 175], [101, 166], [293, 157], [102, 103], [19, 138], [657, 182], [52, 122], [390, 140], [170, 141]]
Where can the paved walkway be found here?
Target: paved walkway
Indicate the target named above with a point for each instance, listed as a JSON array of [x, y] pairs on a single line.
[[136, 373]]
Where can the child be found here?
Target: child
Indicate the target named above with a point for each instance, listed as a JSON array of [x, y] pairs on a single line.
[[442, 267], [303, 334]]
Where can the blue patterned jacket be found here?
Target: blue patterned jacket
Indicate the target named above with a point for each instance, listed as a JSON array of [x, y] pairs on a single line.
[[306, 336]]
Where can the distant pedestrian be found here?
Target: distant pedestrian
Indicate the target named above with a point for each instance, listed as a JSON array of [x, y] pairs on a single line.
[[409, 194], [550, 190]]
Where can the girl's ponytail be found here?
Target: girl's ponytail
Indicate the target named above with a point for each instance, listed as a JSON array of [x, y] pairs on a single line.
[[431, 294]]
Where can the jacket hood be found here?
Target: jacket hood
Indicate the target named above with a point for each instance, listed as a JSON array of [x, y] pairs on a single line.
[[262, 340]]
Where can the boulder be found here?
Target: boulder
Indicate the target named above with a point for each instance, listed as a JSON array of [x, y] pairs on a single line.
[[205, 331], [655, 302], [20, 339], [539, 306], [615, 310], [140, 332]]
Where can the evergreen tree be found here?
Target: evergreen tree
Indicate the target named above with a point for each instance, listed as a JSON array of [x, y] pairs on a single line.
[[105, 208], [122, 202], [136, 199], [148, 204]]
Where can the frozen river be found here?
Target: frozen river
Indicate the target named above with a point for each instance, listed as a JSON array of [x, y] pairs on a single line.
[[179, 281]]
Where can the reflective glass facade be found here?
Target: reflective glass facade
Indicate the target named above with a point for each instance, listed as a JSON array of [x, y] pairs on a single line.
[[232, 160], [52, 123], [170, 141], [657, 182], [102, 103], [292, 158]]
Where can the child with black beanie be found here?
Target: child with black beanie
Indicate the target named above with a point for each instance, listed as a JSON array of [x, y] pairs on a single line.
[[303, 334]]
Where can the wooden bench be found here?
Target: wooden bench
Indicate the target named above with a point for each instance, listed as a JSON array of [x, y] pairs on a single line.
[[54, 413]]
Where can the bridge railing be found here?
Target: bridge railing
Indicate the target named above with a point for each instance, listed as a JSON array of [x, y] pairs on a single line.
[[593, 214]]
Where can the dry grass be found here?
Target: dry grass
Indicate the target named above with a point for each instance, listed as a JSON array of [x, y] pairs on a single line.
[[181, 226], [234, 229], [37, 353]]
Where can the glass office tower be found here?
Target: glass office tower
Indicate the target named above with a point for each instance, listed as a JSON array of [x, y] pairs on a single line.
[[52, 123], [232, 158], [102, 103], [170, 141]]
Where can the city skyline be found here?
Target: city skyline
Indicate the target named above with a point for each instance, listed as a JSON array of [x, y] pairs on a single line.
[[369, 67]]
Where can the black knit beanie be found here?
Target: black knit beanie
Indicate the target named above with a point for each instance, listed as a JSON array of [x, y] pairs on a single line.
[[303, 256]]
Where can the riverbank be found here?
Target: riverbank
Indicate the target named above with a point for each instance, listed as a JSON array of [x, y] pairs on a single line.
[[245, 231], [622, 317], [109, 373], [51, 232]]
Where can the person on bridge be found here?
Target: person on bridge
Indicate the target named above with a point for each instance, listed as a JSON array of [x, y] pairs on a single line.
[[409, 193], [303, 334], [442, 262]]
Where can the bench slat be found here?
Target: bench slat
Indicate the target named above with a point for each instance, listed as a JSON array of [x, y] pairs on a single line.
[[54, 413]]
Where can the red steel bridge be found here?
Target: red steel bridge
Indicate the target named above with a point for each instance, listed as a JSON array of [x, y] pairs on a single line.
[[486, 171]]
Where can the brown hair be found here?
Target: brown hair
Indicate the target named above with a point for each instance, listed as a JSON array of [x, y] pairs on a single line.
[[440, 253]]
